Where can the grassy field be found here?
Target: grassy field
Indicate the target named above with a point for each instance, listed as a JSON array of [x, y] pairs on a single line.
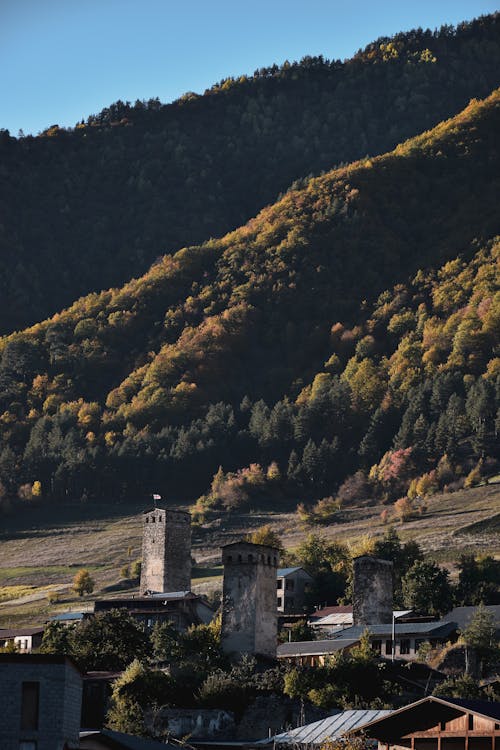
[[42, 551]]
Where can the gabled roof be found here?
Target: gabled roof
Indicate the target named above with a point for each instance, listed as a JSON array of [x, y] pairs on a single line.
[[284, 572], [16, 632], [314, 648], [330, 728], [424, 712]]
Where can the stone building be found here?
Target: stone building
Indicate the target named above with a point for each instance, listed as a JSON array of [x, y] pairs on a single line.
[[249, 620], [40, 696], [291, 588], [372, 591], [180, 608], [166, 551]]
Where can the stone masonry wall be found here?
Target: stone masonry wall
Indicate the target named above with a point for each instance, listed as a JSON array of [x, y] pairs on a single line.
[[166, 551], [60, 695], [372, 591], [249, 622]]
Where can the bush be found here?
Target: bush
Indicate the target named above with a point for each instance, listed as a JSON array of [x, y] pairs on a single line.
[[83, 583]]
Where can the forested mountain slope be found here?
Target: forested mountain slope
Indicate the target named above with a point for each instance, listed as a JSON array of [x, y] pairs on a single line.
[[154, 384], [86, 209]]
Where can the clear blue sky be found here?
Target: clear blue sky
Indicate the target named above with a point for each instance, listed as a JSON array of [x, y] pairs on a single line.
[[62, 60]]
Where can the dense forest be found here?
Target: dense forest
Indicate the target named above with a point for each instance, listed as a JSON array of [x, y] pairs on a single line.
[[90, 207], [343, 343]]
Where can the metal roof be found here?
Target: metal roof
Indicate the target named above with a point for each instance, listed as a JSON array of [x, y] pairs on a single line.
[[430, 629], [344, 616], [463, 615], [314, 648], [333, 610], [66, 616], [283, 572], [329, 728]]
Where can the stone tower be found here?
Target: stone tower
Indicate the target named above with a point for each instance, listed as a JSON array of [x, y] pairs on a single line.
[[372, 591], [166, 551], [249, 620]]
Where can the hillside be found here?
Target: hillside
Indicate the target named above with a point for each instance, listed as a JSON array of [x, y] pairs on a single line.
[[283, 341], [87, 208], [35, 559]]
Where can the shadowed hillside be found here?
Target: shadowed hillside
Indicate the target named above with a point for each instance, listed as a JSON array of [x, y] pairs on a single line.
[[85, 209], [155, 384]]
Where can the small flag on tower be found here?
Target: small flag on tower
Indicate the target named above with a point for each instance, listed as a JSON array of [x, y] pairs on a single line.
[[156, 497]]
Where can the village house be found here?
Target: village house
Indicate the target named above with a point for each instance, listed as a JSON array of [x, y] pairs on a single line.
[[408, 637], [434, 723], [23, 639], [291, 587], [181, 608], [329, 620], [312, 653]]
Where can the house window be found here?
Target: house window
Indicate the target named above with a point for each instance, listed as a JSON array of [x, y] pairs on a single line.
[[289, 585], [388, 647], [280, 601], [471, 721], [147, 519], [279, 584], [153, 519], [377, 646], [159, 519], [30, 696], [404, 646]]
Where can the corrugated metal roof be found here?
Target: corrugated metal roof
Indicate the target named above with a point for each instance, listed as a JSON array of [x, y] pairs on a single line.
[[314, 648], [341, 618], [64, 616], [345, 618], [329, 728], [337, 609]]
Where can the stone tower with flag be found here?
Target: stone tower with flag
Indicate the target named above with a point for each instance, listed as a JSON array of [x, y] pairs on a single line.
[[166, 550]]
